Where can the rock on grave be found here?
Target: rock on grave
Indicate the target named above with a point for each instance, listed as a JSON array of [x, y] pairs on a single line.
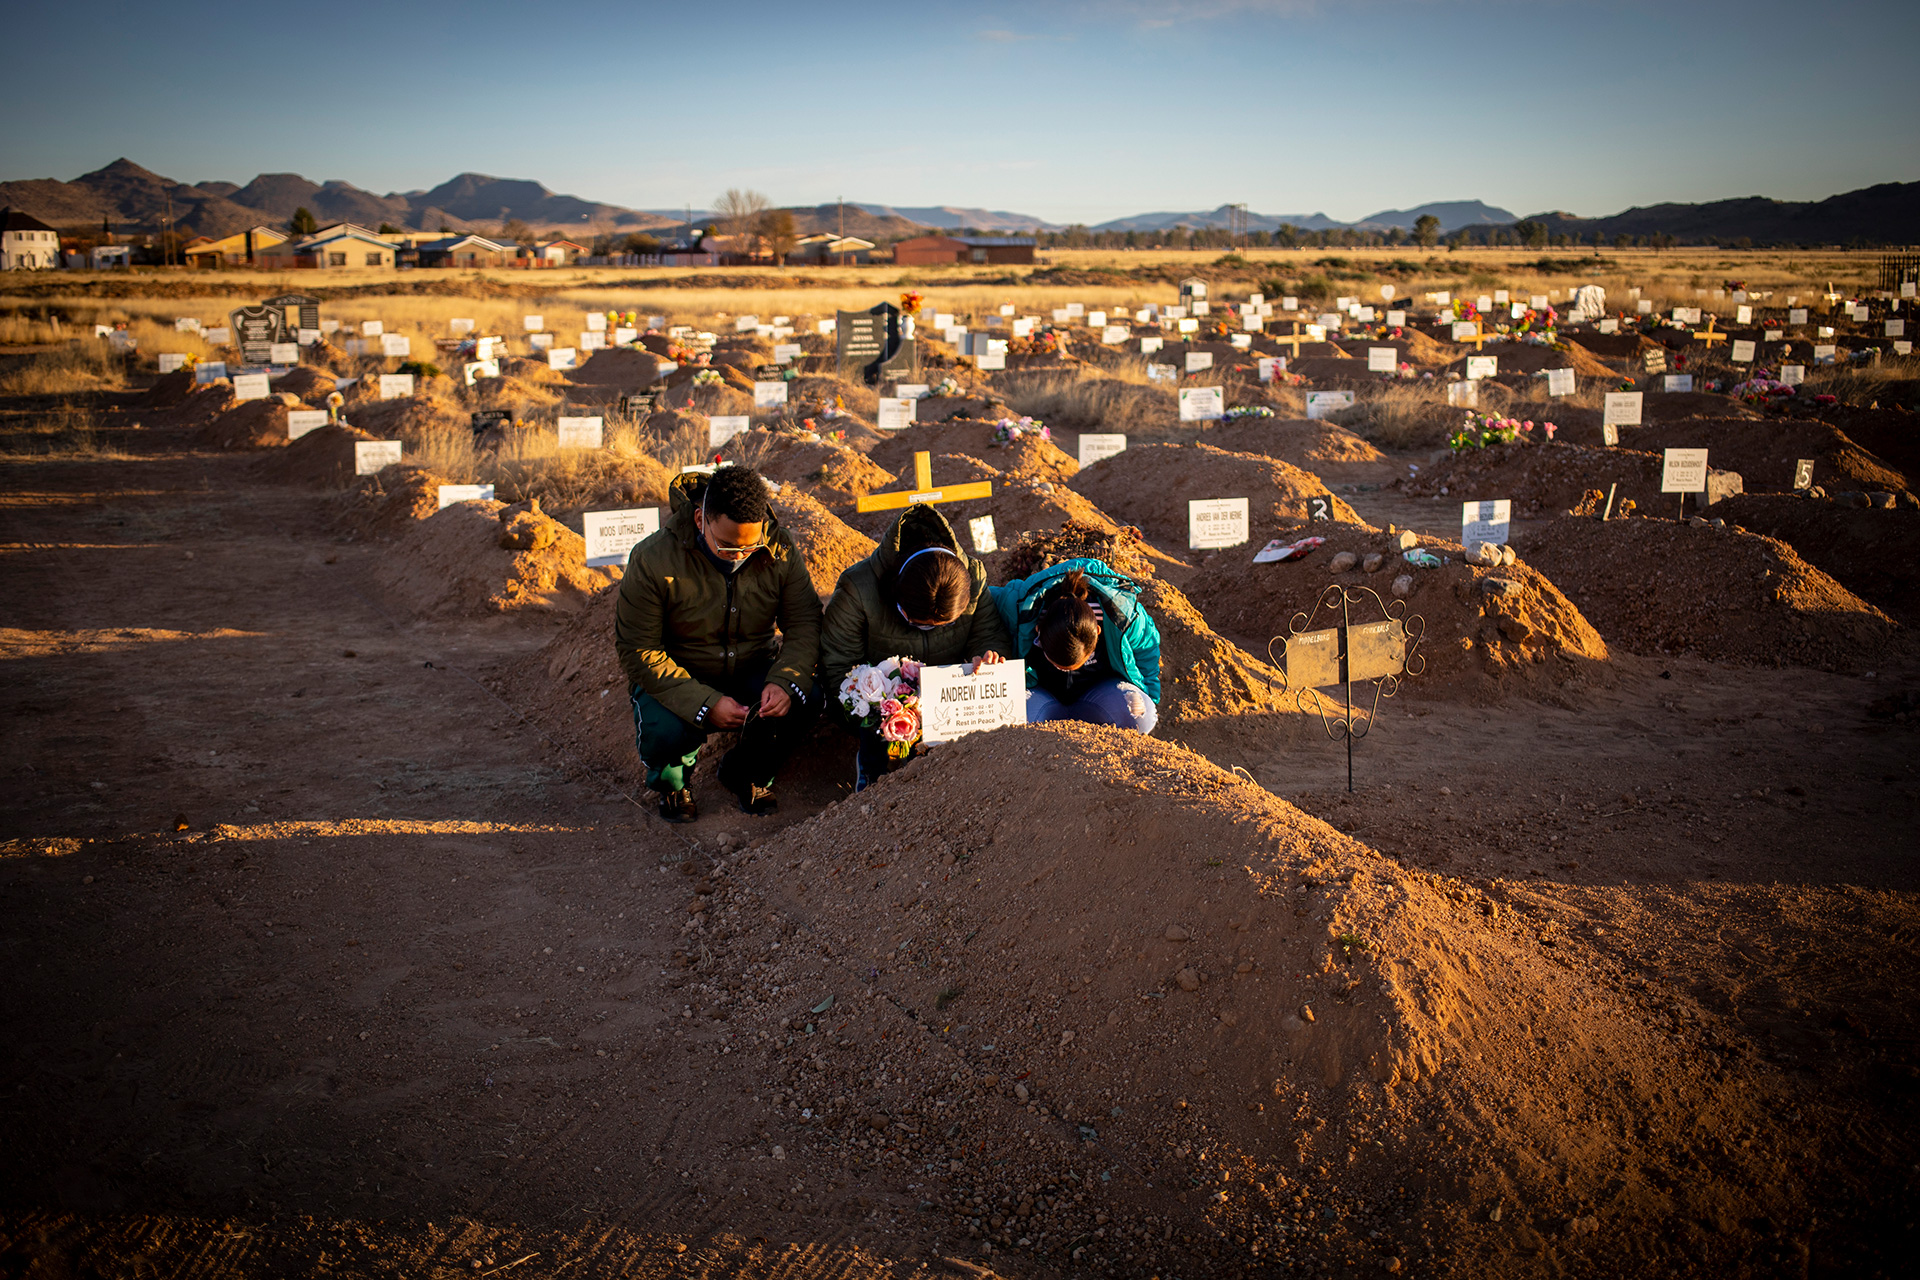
[[1373, 562], [1403, 585], [1486, 553], [1344, 562], [1407, 540]]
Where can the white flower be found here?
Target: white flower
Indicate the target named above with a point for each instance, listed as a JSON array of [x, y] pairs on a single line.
[[871, 685], [861, 707]]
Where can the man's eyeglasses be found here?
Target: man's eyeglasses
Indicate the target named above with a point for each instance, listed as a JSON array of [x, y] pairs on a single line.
[[733, 553]]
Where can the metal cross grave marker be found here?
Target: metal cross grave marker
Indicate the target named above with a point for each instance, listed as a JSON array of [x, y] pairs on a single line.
[[1383, 652]]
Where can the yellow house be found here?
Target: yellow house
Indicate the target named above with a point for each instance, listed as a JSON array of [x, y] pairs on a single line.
[[331, 248], [236, 250]]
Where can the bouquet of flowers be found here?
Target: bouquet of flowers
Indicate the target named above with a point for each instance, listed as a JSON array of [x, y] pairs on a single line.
[[1249, 411], [949, 386], [1008, 430], [885, 697], [708, 378], [910, 303], [1481, 430]]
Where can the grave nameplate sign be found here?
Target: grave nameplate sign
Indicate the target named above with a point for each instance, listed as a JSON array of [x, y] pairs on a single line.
[[283, 353], [1270, 367], [1397, 319], [1463, 395], [769, 395], [723, 427], [912, 390], [487, 419], [540, 341], [474, 370], [1793, 375], [395, 345], [1559, 382], [1609, 435], [1485, 522], [596, 322], [171, 360], [448, 494], [1150, 345], [1743, 350], [1097, 445], [369, 456], [1796, 315], [1608, 325], [1114, 333], [581, 432], [1479, 367], [1743, 315], [1803, 473], [992, 362], [786, 352], [209, 371], [460, 325], [219, 337], [954, 703], [1644, 306], [1464, 329], [372, 329], [1322, 403], [895, 413], [395, 386], [612, 535], [1896, 329], [1383, 359], [301, 421], [1772, 335], [1684, 471], [249, 386], [561, 357], [1216, 522], [1202, 404], [1198, 360], [1677, 382], [1824, 353], [984, 541], [1313, 659], [533, 324], [591, 340], [1622, 408]]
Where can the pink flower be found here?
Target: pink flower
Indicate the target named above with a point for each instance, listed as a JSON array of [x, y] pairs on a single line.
[[910, 669], [901, 727], [889, 708], [1549, 428]]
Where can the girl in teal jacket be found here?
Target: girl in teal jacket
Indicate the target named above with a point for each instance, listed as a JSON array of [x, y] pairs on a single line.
[[1091, 648]]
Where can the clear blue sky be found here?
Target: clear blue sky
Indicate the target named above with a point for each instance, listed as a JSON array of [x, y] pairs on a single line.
[[1069, 111]]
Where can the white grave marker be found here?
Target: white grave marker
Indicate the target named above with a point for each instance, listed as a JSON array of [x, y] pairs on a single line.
[[1114, 333], [1622, 408], [219, 337], [786, 352], [474, 370], [769, 395], [1676, 382], [579, 433], [448, 494], [1896, 329], [1684, 471], [1796, 315], [1537, 301], [1198, 360], [589, 340], [1150, 345], [1608, 325], [395, 344], [984, 541], [1322, 403], [1270, 367], [1644, 306], [1463, 395], [991, 362], [896, 413], [597, 321], [1793, 375], [395, 386], [1396, 319], [301, 421], [1464, 329], [612, 535], [1609, 435], [1772, 335], [372, 329], [1383, 359], [249, 386], [209, 371], [460, 325], [1559, 382], [723, 427], [286, 352], [1825, 354], [954, 704], [1095, 446], [369, 456], [1743, 349], [1479, 367], [1485, 522], [561, 357], [1216, 522], [1743, 315], [533, 324], [1202, 404], [912, 390], [171, 360]]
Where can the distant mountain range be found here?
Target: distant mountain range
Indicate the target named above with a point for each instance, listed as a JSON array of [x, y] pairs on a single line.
[[134, 199]]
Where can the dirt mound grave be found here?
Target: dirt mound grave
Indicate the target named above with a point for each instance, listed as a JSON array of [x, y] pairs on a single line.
[[1892, 435], [578, 480], [1874, 553], [1028, 458], [1328, 374], [1764, 451], [168, 390], [829, 545], [831, 473], [306, 383], [1150, 485], [407, 417], [1203, 675], [1488, 633], [625, 368], [385, 505], [1617, 347], [322, 458], [1017, 506], [1188, 987], [1659, 587], [194, 411], [1323, 448], [480, 558], [251, 424], [1542, 478], [529, 370], [935, 409], [1519, 361]]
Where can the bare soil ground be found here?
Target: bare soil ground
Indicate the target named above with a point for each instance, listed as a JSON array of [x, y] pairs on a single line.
[[325, 959]]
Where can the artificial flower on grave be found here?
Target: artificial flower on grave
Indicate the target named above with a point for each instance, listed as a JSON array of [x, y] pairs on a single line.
[[1406, 370], [1008, 430], [948, 386], [708, 378], [885, 697], [1249, 411], [910, 303], [1826, 400], [1482, 429]]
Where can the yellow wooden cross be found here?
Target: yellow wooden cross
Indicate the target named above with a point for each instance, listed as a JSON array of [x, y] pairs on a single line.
[[1293, 340], [1707, 335], [1479, 339], [923, 490]]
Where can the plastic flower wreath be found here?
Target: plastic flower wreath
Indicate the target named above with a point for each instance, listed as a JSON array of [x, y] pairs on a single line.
[[708, 378], [1008, 430], [886, 697], [1250, 411]]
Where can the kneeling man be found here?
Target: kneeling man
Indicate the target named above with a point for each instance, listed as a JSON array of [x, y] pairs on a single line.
[[718, 628]]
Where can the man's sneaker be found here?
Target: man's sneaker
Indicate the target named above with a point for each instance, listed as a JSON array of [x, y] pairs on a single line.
[[678, 806], [758, 801]]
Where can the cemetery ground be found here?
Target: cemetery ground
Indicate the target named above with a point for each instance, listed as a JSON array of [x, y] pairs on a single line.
[[341, 938]]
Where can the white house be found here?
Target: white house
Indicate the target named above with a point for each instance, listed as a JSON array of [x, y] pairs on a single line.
[[108, 256], [26, 243]]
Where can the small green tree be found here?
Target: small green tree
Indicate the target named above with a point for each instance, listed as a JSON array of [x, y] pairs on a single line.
[[514, 231], [777, 231], [1426, 230], [388, 229], [302, 222]]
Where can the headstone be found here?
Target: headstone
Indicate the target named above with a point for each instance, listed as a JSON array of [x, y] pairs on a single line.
[[1202, 404], [1383, 359], [369, 456], [1097, 445], [612, 535], [1793, 375], [581, 432], [395, 345], [769, 395], [895, 414], [249, 386], [1150, 345], [1559, 382], [561, 357], [1216, 522], [487, 419], [259, 328], [984, 541], [1684, 471], [395, 386], [723, 427], [1322, 403], [1198, 360], [301, 421], [954, 704], [1485, 522], [1654, 360], [1460, 395], [786, 352], [1397, 319], [1677, 382], [171, 360], [298, 310], [1479, 367], [1622, 408], [448, 494]]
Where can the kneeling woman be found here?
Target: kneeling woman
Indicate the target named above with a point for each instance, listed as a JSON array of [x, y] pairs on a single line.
[[1091, 648], [919, 596]]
